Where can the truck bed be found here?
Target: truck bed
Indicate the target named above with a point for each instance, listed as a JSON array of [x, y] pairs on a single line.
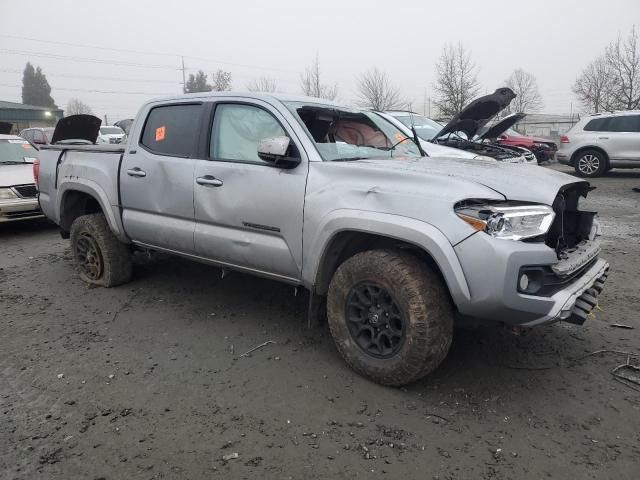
[[92, 169]]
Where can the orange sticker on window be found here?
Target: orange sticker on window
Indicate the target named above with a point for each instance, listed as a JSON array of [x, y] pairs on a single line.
[[160, 133], [399, 137], [25, 145]]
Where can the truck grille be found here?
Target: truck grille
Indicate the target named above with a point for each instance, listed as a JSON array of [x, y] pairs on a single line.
[[26, 191]]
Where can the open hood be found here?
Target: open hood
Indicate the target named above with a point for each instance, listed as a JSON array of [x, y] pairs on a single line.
[[478, 113], [502, 126], [77, 127], [5, 128]]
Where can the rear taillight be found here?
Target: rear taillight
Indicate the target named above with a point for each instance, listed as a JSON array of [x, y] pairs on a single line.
[[36, 171], [564, 139]]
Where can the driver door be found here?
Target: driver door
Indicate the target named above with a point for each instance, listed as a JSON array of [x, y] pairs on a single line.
[[249, 212]]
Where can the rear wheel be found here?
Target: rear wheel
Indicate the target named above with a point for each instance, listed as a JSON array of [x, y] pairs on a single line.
[[390, 316], [101, 259], [591, 163]]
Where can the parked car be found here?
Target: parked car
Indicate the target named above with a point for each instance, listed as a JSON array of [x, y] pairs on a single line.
[[18, 194], [339, 201], [503, 134], [125, 125], [112, 135], [38, 136], [598, 143], [460, 131], [431, 149]]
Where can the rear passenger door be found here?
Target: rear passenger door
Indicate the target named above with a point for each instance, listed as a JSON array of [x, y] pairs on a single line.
[[156, 177], [249, 212]]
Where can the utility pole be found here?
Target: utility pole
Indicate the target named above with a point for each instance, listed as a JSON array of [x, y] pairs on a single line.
[[106, 122], [184, 82], [424, 103]]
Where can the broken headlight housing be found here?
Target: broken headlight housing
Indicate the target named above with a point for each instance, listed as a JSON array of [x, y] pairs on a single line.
[[507, 220]]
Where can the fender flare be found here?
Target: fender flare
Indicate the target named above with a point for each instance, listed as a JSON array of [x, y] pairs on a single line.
[[111, 212], [416, 232]]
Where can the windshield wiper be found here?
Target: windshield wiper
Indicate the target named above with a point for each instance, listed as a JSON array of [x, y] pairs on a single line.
[[14, 162]]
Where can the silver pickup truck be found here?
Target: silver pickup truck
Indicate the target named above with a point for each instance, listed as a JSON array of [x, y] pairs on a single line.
[[396, 244]]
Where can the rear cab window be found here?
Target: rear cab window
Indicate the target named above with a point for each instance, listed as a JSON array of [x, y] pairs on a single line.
[[172, 130]]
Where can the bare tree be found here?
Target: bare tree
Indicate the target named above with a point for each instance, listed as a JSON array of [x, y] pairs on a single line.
[[77, 106], [456, 81], [262, 84], [623, 57], [312, 86], [221, 81], [595, 86], [524, 85], [376, 92]]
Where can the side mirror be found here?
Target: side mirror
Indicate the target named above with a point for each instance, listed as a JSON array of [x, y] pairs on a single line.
[[274, 150]]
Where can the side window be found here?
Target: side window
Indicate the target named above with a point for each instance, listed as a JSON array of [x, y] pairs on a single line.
[[597, 125], [27, 135], [237, 130], [38, 136], [172, 130], [625, 123]]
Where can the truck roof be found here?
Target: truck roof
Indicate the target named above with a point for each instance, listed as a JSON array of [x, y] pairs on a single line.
[[281, 97]]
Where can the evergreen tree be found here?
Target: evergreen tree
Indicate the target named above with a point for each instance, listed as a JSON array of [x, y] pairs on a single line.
[[35, 88]]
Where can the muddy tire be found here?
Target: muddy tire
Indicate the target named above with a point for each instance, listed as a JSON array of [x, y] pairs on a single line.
[[390, 316], [101, 259]]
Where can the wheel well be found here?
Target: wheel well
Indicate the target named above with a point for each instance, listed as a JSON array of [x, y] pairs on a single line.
[[346, 244], [577, 153], [75, 204]]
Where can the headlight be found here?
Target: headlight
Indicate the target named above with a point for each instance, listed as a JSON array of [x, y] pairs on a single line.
[[7, 194], [509, 221], [485, 158]]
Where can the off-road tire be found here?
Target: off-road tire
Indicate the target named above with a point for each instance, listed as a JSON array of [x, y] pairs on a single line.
[[422, 297], [114, 256], [583, 170]]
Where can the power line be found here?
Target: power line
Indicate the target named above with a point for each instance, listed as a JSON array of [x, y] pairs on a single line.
[[92, 77], [94, 91], [56, 42], [86, 59]]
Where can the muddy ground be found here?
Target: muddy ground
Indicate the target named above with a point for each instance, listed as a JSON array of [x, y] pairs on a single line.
[[147, 380]]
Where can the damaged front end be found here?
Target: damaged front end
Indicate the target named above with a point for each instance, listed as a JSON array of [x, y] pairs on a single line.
[[573, 235]]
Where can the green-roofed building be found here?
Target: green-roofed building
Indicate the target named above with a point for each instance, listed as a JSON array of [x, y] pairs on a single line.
[[26, 116]]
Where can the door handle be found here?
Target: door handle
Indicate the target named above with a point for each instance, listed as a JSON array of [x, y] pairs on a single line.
[[603, 138], [136, 172], [209, 180]]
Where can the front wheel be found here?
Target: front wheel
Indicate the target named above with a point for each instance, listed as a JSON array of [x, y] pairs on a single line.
[[101, 259], [390, 316], [591, 163]]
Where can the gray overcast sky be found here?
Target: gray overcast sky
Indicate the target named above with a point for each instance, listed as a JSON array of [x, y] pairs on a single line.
[[553, 40]]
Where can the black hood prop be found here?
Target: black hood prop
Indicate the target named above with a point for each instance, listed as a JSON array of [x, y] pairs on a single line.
[[5, 128], [77, 127], [478, 113]]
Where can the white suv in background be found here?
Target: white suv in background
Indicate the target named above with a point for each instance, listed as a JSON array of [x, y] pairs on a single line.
[[598, 143]]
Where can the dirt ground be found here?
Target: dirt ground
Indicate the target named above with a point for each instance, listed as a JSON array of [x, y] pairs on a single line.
[[147, 380]]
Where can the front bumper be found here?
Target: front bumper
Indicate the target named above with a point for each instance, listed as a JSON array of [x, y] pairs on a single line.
[[19, 209], [492, 267]]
